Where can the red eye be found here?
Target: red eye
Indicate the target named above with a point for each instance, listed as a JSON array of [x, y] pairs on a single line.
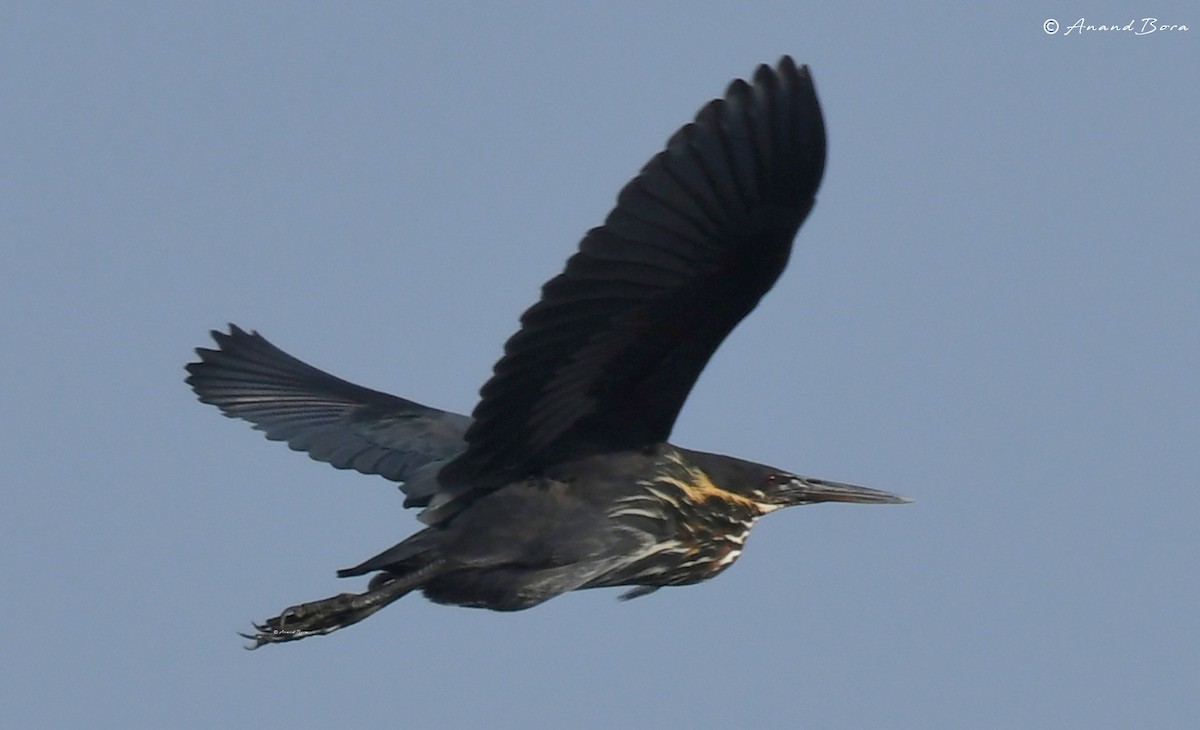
[[772, 479]]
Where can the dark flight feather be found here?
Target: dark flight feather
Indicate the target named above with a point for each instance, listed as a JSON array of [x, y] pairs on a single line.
[[606, 359]]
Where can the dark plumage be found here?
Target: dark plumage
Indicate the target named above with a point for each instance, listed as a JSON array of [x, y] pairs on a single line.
[[562, 478]]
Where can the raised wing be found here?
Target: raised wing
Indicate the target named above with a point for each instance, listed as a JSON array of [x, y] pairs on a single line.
[[335, 421], [605, 360]]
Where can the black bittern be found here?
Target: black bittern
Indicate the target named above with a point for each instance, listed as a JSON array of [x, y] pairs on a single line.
[[562, 478]]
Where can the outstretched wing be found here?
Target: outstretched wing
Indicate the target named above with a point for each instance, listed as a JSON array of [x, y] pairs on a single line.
[[335, 421], [605, 360]]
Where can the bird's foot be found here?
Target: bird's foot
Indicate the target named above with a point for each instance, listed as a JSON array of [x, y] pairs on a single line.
[[312, 619]]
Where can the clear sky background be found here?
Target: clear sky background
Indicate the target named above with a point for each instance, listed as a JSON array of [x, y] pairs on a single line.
[[994, 309]]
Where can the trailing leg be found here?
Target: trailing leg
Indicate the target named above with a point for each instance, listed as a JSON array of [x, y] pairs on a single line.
[[328, 615]]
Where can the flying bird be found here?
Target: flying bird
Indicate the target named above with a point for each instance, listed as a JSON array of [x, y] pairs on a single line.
[[562, 478]]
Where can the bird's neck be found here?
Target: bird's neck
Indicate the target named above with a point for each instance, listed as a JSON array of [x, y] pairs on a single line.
[[673, 472]]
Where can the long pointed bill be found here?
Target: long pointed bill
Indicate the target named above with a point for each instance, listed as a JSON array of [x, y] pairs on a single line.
[[805, 490]]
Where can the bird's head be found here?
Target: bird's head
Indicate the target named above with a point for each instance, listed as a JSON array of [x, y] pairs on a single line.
[[772, 488], [780, 489]]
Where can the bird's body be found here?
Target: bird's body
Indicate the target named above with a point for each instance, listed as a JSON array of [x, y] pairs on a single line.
[[648, 518], [562, 479]]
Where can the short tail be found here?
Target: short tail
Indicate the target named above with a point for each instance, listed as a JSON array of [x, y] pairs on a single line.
[[409, 556]]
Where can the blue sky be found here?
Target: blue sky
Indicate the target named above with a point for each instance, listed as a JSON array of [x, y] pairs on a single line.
[[993, 309]]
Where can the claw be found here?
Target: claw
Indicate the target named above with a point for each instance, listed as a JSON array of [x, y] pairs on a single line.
[[258, 639], [298, 622]]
